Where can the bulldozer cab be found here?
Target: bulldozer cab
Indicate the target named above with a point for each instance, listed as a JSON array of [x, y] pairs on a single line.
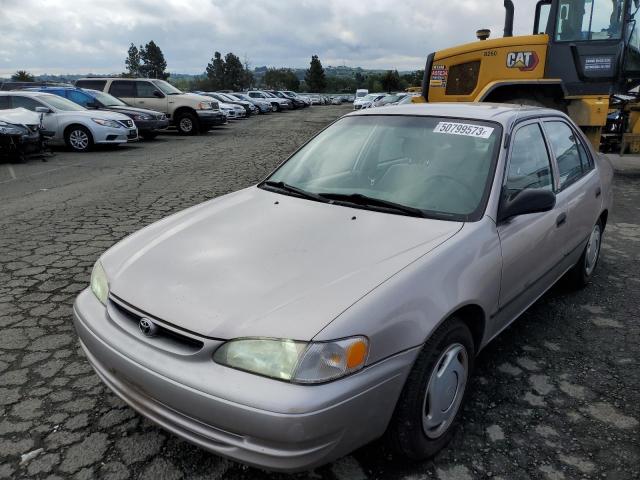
[[594, 45]]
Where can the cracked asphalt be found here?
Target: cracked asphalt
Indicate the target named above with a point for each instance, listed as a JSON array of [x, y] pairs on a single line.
[[556, 396]]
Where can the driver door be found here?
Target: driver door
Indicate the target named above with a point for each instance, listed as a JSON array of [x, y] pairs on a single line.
[[148, 96], [532, 244]]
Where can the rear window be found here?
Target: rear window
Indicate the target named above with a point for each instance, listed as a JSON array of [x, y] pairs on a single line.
[[93, 84]]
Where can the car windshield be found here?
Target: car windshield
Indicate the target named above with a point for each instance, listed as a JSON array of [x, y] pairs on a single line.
[[60, 103], [106, 99], [166, 87], [440, 166], [370, 97], [228, 98], [360, 94]]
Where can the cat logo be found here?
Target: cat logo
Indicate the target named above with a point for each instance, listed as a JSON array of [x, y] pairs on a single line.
[[525, 61]]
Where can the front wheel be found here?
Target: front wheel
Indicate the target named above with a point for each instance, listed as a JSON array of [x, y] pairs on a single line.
[[78, 138], [430, 403], [187, 124], [581, 273], [275, 107]]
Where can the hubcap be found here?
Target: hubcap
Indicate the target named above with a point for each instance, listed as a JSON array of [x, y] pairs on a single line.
[[445, 390], [186, 125], [79, 140], [593, 250]]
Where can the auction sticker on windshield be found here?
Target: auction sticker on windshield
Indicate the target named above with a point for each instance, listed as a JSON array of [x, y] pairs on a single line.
[[467, 129]]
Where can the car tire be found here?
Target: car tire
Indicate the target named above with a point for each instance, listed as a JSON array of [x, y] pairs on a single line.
[[424, 423], [581, 273], [187, 124], [78, 138], [149, 135], [275, 107]]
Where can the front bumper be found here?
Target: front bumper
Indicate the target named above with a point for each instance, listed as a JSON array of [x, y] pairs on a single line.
[[152, 125], [255, 420], [109, 135], [211, 117]]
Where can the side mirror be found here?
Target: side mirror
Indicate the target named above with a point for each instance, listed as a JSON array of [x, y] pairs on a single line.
[[529, 200], [93, 105], [43, 110], [158, 94]]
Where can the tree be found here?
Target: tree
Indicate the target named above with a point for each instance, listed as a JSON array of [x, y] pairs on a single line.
[[391, 81], [247, 79], [215, 72], [360, 80], [314, 78], [281, 79], [132, 62], [233, 72], [22, 76], [153, 62]]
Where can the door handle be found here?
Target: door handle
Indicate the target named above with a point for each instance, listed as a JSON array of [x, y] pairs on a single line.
[[598, 192], [562, 218]]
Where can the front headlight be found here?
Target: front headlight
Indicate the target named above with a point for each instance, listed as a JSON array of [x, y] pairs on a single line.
[[204, 106], [99, 283], [107, 123], [294, 361], [142, 116]]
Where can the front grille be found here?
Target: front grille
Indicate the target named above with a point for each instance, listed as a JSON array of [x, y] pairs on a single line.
[[126, 123], [463, 78], [129, 318]]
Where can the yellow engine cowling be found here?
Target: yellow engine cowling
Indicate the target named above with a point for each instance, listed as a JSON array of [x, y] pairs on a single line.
[[466, 73]]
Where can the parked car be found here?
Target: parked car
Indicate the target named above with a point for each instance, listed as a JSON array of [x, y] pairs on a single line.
[[316, 100], [476, 209], [73, 124], [336, 100], [295, 102], [367, 100], [360, 92], [248, 107], [292, 94], [262, 105], [190, 114], [21, 133], [277, 104], [149, 122]]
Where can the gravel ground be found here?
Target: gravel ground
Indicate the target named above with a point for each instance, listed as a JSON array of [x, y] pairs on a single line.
[[556, 396]]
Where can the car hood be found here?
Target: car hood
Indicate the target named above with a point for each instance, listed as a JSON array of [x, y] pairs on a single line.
[[103, 114], [257, 263], [132, 110], [20, 116]]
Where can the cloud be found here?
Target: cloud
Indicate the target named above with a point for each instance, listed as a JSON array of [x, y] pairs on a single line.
[[47, 36]]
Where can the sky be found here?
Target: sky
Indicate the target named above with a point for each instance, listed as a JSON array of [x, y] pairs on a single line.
[[92, 36]]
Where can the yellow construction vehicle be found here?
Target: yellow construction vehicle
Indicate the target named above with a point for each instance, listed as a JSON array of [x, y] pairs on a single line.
[[581, 53]]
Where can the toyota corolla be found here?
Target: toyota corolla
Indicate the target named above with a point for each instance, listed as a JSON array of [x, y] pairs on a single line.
[[347, 295]]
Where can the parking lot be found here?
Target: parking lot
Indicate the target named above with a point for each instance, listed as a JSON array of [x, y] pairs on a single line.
[[556, 396]]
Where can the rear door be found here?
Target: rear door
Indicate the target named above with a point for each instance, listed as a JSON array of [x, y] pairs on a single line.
[[578, 183], [145, 97], [125, 90], [532, 244]]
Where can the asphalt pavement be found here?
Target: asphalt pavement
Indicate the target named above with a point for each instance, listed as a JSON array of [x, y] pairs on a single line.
[[556, 396]]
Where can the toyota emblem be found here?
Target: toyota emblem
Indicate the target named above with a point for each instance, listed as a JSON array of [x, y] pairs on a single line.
[[147, 327]]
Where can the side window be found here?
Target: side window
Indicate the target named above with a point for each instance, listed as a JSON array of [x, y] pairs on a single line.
[[529, 165], [123, 88], [79, 97], [26, 102], [254, 95], [572, 161], [145, 89], [5, 102]]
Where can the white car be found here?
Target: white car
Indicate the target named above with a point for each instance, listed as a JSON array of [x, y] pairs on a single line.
[[232, 111], [367, 100], [73, 125], [278, 104]]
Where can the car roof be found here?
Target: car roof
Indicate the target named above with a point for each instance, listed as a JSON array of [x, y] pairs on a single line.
[[27, 93], [498, 112]]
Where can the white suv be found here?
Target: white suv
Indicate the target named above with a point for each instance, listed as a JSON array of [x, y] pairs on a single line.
[[73, 125], [189, 113]]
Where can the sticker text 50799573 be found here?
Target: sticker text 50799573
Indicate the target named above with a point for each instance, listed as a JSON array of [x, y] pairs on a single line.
[[466, 129]]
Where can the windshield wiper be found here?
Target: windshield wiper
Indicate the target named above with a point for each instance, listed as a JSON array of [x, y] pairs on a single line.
[[285, 187], [364, 200]]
